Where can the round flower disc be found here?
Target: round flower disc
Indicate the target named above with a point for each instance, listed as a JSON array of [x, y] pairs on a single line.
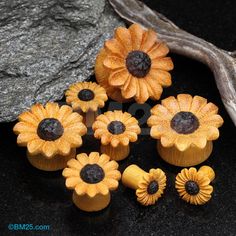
[[50, 129]]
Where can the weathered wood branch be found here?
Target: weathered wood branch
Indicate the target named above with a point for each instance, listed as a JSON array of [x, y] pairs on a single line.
[[221, 62]]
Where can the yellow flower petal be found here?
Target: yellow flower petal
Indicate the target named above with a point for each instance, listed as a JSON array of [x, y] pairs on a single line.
[[164, 63], [158, 130], [111, 183], [161, 77], [213, 120], [199, 141], [93, 157], [182, 142], [103, 159], [161, 112], [64, 112], [73, 138], [114, 46], [130, 87], [83, 158], [111, 165], [91, 190], [24, 138], [113, 174], [143, 94], [123, 36], [81, 188], [158, 50], [149, 39], [171, 104], [39, 111], [118, 77], [75, 164], [63, 146], [113, 62], [168, 139], [71, 172], [154, 89], [136, 32], [197, 103], [71, 182], [115, 141], [35, 146], [23, 127], [207, 110], [52, 109], [49, 149], [102, 188], [185, 101], [28, 117]]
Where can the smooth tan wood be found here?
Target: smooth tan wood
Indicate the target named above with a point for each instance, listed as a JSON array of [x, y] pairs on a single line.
[[88, 117], [118, 153], [97, 203], [132, 175], [190, 157], [208, 171], [57, 162]]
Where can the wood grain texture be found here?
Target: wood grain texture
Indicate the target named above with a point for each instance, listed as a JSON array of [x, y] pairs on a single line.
[[221, 62]]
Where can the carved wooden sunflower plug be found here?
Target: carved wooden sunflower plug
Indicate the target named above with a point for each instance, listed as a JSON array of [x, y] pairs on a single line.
[[91, 177], [116, 129], [149, 186], [194, 186], [133, 65], [185, 128], [86, 98], [51, 135]]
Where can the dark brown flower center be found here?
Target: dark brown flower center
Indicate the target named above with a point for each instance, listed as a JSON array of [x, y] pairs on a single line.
[[116, 127], [92, 173], [86, 95], [138, 63], [50, 129], [184, 122], [152, 187], [192, 187]]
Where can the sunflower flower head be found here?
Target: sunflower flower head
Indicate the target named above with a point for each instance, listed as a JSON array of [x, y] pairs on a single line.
[[86, 96], [116, 128], [193, 186], [151, 187], [50, 130], [91, 174], [134, 65], [185, 121]]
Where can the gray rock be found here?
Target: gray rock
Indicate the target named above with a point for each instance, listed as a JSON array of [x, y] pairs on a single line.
[[45, 46]]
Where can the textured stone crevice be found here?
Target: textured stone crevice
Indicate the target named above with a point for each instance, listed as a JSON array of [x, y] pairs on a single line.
[[46, 45]]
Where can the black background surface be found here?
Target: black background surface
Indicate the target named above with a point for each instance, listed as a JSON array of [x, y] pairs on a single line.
[[30, 196]]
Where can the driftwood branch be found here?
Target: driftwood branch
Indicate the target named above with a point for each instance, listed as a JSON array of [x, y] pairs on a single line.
[[221, 62]]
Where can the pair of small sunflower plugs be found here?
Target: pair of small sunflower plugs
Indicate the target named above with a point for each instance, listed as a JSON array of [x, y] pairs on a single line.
[[131, 66]]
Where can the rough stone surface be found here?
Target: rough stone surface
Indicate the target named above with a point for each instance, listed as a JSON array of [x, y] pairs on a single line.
[[45, 46]]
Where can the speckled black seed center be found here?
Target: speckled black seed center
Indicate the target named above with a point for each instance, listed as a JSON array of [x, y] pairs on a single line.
[[50, 129], [138, 63], [116, 127], [184, 122], [192, 187], [152, 187], [92, 173], [86, 95]]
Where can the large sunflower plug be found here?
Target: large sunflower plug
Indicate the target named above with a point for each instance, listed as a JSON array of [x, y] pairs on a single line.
[[194, 186], [133, 65], [91, 177], [149, 186], [185, 127], [51, 135]]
